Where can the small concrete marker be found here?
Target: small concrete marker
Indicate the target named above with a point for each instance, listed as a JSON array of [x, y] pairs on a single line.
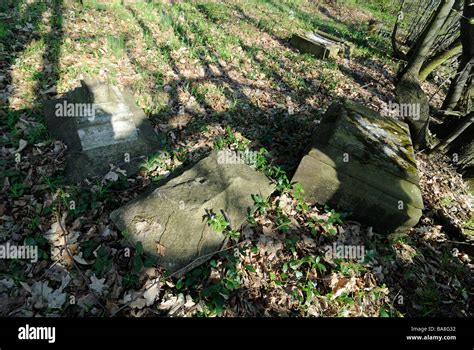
[[316, 45]]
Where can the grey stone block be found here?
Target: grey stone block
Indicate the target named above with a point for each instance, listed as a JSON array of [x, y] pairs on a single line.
[[315, 44], [171, 222], [116, 130], [364, 164]]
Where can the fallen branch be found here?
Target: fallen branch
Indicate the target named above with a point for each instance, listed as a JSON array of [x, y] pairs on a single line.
[[463, 125], [176, 273]]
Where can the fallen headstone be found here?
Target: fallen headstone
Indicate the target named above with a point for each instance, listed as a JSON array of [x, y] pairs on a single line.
[[315, 44], [171, 222], [101, 125], [363, 163], [346, 47]]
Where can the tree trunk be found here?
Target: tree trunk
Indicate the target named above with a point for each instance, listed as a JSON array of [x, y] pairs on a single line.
[[466, 102], [462, 153], [467, 59], [440, 58], [462, 126], [397, 53], [409, 92], [424, 43], [459, 82]]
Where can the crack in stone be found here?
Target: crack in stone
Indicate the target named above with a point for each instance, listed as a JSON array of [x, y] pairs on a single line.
[[164, 230], [199, 246]]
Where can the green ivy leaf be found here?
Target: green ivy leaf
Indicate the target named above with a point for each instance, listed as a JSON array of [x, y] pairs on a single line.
[[139, 248], [179, 284], [137, 264], [250, 268], [383, 312]]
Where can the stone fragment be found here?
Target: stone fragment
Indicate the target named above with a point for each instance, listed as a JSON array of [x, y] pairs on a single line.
[[172, 221], [363, 164], [346, 47], [101, 125], [315, 44]]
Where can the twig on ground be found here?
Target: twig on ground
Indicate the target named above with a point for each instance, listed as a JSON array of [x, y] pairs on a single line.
[[176, 273]]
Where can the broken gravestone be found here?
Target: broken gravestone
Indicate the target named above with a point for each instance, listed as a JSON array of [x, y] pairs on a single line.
[[363, 163], [320, 44], [101, 125], [172, 221], [346, 46]]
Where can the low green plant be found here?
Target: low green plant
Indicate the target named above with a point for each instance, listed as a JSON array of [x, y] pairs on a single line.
[[282, 221], [327, 225], [116, 43], [261, 161], [229, 140], [42, 244], [139, 261], [298, 195], [152, 162], [446, 202], [218, 292], [311, 262], [283, 185], [291, 242], [103, 263], [260, 203], [17, 190], [348, 268], [219, 224]]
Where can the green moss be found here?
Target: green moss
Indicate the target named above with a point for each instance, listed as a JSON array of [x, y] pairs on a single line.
[[396, 139]]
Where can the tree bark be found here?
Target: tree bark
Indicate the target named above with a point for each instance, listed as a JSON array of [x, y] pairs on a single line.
[[409, 92], [467, 59], [408, 89], [426, 40], [462, 126], [397, 53], [459, 82], [462, 153], [438, 59]]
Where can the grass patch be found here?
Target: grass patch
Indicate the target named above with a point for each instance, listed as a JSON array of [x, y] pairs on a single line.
[[116, 44]]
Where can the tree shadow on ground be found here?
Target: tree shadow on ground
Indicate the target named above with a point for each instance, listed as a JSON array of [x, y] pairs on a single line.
[[356, 34], [275, 129], [238, 119], [425, 277], [44, 78], [270, 129], [23, 27]]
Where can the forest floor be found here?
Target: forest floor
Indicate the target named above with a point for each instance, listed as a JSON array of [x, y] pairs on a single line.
[[211, 75]]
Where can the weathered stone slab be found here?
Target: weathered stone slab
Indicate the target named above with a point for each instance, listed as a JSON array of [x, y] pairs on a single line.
[[364, 164], [171, 222], [346, 46], [315, 44], [101, 125]]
